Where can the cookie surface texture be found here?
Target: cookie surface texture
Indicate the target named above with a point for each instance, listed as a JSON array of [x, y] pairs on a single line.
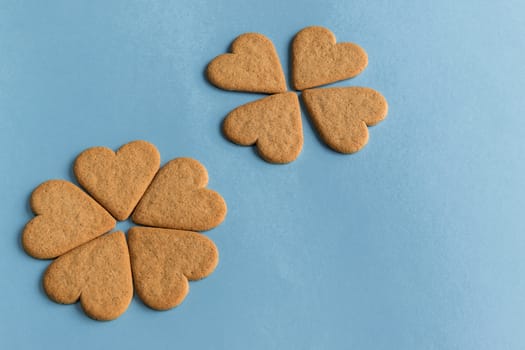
[[342, 115], [177, 198], [117, 180], [273, 124], [164, 260], [253, 66], [318, 60], [98, 273], [66, 218]]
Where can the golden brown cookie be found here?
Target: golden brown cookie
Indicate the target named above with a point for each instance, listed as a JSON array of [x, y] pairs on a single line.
[[341, 115], [252, 66], [66, 218], [164, 260], [98, 273], [118, 180], [318, 60], [273, 124], [177, 198]]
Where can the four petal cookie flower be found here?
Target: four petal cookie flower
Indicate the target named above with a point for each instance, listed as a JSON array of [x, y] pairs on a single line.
[[103, 269], [341, 115]]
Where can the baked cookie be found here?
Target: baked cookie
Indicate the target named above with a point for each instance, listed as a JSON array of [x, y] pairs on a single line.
[[98, 273], [164, 260], [273, 124], [318, 60], [66, 218], [177, 198], [253, 66], [342, 115], [117, 180]]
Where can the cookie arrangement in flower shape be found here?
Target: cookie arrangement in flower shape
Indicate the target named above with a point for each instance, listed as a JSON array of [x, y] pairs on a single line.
[[157, 260], [341, 115]]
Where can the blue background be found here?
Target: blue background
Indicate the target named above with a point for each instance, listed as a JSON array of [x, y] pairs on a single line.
[[416, 242]]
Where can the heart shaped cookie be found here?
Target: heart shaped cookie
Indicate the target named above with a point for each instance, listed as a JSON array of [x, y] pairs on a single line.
[[66, 218], [341, 115], [164, 260], [318, 60], [252, 66], [98, 273], [177, 198], [118, 180], [273, 124]]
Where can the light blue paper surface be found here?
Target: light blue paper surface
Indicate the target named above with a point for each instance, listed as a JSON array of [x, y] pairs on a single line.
[[416, 242]]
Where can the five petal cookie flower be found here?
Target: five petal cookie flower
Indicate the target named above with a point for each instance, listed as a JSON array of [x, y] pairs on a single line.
[[341, 115], [103, 269]]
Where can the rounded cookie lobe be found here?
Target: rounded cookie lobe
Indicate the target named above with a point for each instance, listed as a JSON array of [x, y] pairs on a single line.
[[66, 218], [117, 180], [164, 260], [253, 66], [177, 198], [98, 273], [317, 59], [342, 115], [272, 123]]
